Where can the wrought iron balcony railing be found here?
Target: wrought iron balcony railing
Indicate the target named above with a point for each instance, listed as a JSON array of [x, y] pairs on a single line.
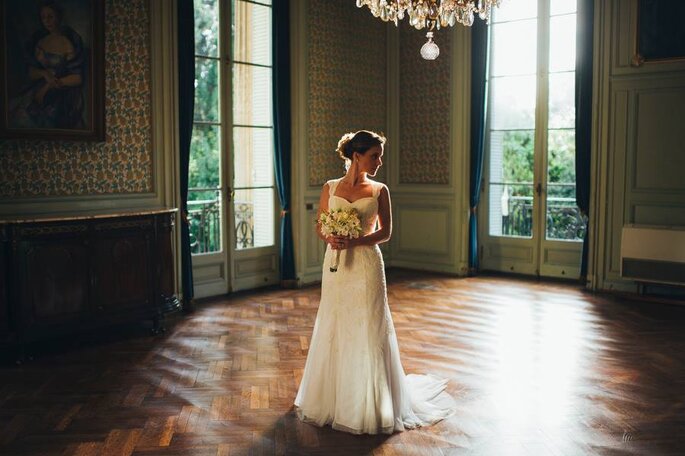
[[205, 225], [205, 228], [564, 220]]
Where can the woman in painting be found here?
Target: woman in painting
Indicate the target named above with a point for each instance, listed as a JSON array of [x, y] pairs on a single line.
[[53, 97]]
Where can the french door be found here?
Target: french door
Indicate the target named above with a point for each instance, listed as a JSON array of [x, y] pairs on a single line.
[[232, 195], [529, 220]]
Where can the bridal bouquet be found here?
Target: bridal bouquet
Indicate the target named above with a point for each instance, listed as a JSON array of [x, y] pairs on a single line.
[[340, 222]]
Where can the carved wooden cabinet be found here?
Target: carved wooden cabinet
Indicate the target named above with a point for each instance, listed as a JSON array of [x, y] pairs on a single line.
[[61, 276]]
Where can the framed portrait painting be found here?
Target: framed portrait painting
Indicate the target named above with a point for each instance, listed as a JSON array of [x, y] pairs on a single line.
[[52, 69]]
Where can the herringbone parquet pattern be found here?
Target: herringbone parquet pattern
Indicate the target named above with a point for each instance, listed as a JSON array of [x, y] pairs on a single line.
[[536, 368]]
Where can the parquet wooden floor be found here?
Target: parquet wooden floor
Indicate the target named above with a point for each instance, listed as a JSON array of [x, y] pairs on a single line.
[[536, 368]]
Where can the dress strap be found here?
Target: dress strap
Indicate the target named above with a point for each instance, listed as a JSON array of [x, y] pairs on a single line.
[[332, 184], [377, 190]]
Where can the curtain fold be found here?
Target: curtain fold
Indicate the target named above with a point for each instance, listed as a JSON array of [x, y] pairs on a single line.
[[479, 68], [584, 44], [282, 133], [186, 106]]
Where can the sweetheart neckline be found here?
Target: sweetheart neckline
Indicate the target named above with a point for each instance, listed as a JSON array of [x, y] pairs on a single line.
[[352, 202]]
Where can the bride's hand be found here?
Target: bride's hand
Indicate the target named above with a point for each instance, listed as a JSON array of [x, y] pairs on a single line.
[[332, 241], [340, 242]]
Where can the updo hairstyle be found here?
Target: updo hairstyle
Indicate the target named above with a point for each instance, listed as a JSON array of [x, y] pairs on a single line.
[[360, 142]]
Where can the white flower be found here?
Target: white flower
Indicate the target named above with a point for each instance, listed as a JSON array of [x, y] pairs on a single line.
[[340, 222]]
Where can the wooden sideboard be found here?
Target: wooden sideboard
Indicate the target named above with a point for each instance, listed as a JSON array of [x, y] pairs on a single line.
[[64, 275]]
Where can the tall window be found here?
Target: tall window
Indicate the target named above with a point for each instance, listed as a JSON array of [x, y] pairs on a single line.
[[232, 147], [204, 180], [532, 118], [562, 215], [253, 147]]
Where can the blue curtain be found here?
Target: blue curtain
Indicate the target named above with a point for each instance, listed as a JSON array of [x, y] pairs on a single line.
[[186, 106], [282, 132], [584, 39], [479, 68]]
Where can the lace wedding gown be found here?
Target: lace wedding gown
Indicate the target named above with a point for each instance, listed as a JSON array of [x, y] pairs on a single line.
[[353, 378]]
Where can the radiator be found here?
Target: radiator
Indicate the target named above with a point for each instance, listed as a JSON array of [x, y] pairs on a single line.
[[653, 254]]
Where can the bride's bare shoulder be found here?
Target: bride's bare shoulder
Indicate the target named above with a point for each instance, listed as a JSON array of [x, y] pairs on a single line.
[[379, 186]]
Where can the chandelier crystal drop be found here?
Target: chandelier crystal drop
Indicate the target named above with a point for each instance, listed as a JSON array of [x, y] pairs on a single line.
[[431, 14], [430, 50]]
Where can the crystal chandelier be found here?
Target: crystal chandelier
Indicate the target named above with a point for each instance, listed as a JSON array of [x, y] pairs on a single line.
[[430, 14]]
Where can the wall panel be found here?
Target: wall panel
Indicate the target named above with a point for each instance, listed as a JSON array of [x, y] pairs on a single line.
[[659, 160], [424, 107], [346, 81], [351, 71], [639, 142]]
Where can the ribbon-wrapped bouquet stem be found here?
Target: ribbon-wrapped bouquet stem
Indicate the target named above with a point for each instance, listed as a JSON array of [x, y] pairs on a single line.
[[340, 222]]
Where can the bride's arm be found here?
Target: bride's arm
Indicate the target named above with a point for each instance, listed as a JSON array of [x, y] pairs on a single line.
[[323, 206], [384, 220]]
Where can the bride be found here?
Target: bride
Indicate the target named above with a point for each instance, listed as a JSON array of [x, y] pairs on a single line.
[[353, 378]]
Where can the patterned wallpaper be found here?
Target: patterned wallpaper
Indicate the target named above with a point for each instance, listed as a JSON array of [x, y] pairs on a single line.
[[123, 163], [347, 80], [424, 108]]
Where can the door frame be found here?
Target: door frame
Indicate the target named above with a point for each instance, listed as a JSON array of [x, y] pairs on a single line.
[[536, 255]]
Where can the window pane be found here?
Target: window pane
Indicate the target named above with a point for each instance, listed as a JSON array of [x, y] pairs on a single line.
[[254, 218], [206, 90], [562, 46], [252, 95], [562, 7], [511, 210], [513, 102], [562, 111], [515, 9], [511, 182], [203, 169], [207, 27], [204, 215], [253, 152], [518, 151], [514, 48], [561, 168], [252, 33], [563, 219]]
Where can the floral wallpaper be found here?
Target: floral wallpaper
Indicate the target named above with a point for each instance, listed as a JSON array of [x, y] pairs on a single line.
[[424, 109], [347, 80], [123, 163]]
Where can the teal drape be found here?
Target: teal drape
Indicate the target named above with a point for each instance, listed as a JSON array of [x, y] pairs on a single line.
[[479, 90], [584, 40], [186, 106], [282, 131]]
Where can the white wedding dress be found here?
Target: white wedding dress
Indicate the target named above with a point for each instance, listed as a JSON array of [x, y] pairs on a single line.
[[353, 378]]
